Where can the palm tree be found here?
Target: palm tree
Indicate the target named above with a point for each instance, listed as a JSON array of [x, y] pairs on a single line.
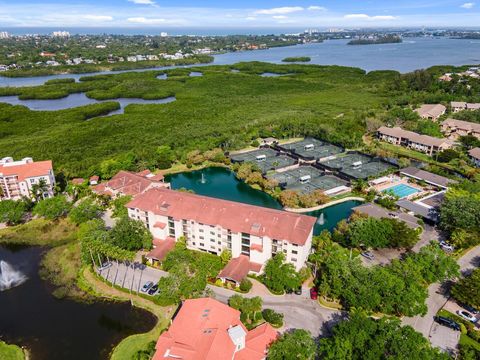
[[39, 189]]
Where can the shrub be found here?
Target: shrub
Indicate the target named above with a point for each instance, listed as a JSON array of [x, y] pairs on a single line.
[[246, 285], [272, 317], [52, 208], [85, 211], [12, 212]]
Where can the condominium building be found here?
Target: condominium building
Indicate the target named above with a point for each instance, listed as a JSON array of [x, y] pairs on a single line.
[[431, 111], [427, 144], [453, 128], [18, 177], [475, 156], [457, 106], [206, 329], [213, 225]]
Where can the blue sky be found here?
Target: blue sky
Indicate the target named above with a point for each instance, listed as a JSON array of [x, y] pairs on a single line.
[[238, 14]]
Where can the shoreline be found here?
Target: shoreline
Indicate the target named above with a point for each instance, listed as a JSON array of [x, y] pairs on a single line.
[[324, 206]]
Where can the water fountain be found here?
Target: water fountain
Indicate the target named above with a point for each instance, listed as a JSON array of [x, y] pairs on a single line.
[[321, 219], [10, 277], [203, 180]]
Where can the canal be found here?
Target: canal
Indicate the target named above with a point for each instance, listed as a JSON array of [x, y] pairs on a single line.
[[221, 183]]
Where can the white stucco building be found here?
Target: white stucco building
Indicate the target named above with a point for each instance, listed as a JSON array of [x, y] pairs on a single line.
[[17, 177], [213, 225]]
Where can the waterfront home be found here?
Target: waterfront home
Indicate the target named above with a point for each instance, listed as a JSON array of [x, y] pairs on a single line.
[[207, 329], [18, 177], [214, 225], [457, 106], [453, 128], [427, 144], [474, 155], [431, 111], [130, 183]]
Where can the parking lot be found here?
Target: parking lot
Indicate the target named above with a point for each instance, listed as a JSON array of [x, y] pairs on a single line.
[[444, 338], [129, 276]]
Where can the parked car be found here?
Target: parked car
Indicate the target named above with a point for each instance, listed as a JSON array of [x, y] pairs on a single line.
[[446, 246], [153, 290], [447, 322], [466, 315], [313, 294], [470, 309], [146, 286], [368, 255], [105, 266]]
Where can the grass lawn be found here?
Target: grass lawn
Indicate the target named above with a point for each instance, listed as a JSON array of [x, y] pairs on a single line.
[[39, 232], [130, 345], [11, 352], [468, 341]]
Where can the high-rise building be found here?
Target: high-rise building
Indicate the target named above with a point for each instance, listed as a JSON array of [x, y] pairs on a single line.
[[4, 35]]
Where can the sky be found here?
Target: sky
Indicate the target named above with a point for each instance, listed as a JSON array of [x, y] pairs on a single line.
[[163, 14]]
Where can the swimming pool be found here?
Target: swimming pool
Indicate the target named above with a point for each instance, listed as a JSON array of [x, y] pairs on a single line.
[[401, 190]]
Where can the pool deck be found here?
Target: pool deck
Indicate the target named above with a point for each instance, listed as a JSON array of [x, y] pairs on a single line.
[[396, 180]]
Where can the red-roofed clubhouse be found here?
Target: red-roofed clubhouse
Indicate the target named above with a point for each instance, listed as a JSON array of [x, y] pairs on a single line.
[[212, 225]]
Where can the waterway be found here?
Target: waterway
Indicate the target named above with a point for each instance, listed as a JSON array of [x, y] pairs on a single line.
[[80, 99], [412, 54], [61, 329], [221, 183]]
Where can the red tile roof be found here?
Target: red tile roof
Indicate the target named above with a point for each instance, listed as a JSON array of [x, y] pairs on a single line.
[[94, 178], [78, 181], [237, 217], [24, 171], [200, 332], [237, 269], [162, 247]]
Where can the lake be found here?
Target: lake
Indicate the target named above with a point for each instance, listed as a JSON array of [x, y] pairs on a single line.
[[80, 99], [61, 329], [412, 54], [221, 183]]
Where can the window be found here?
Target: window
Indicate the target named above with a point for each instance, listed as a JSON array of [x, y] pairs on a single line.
[[212, 232], [219, 243], [294, 252], [201, 238], [294, 260], [202, 244], [201, 230], [212, 240]]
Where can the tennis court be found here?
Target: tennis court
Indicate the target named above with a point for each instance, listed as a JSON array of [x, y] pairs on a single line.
[[266, 159], [306, 179], [358, 166], [312, 149]]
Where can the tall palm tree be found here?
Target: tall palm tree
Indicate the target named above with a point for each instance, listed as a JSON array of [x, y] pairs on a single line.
[[39, 189]]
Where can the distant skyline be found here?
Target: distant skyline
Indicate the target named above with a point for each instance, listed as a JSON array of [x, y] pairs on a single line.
[[238, 14]]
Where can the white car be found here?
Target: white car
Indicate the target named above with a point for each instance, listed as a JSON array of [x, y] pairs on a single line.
[[146, 286], [466, 315], [446, 246]]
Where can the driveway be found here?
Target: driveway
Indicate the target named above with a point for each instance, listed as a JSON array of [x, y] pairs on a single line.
[[437, 298], [299, 311]]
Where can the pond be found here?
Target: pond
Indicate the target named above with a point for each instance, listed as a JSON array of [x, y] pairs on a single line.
[[80, 99], [221, 183], [60, 329]]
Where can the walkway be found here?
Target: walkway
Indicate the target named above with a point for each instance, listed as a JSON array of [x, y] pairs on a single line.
[[441, 336], [324, 206]]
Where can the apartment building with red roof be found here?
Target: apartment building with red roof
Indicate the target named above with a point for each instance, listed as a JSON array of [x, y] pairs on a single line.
[[206, 329], [212, 225], [18, 177], [129, 183]]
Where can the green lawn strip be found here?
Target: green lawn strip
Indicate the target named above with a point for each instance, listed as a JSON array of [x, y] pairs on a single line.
[[39, 232], [466, 340], [11, 352]]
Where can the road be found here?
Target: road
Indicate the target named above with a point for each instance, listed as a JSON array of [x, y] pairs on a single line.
[[444, 338]]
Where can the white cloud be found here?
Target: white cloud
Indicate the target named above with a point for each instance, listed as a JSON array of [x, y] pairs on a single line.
[[143, 2], [99, 17], [278, 17], [279, 10], [250, 18], [149, 21], [316, 8], [468, 5], [368, 17]]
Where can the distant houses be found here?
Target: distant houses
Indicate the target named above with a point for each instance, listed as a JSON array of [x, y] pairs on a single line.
[[457, 106], [431, 111], [453, 128], [474, 155], [427, 144]]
